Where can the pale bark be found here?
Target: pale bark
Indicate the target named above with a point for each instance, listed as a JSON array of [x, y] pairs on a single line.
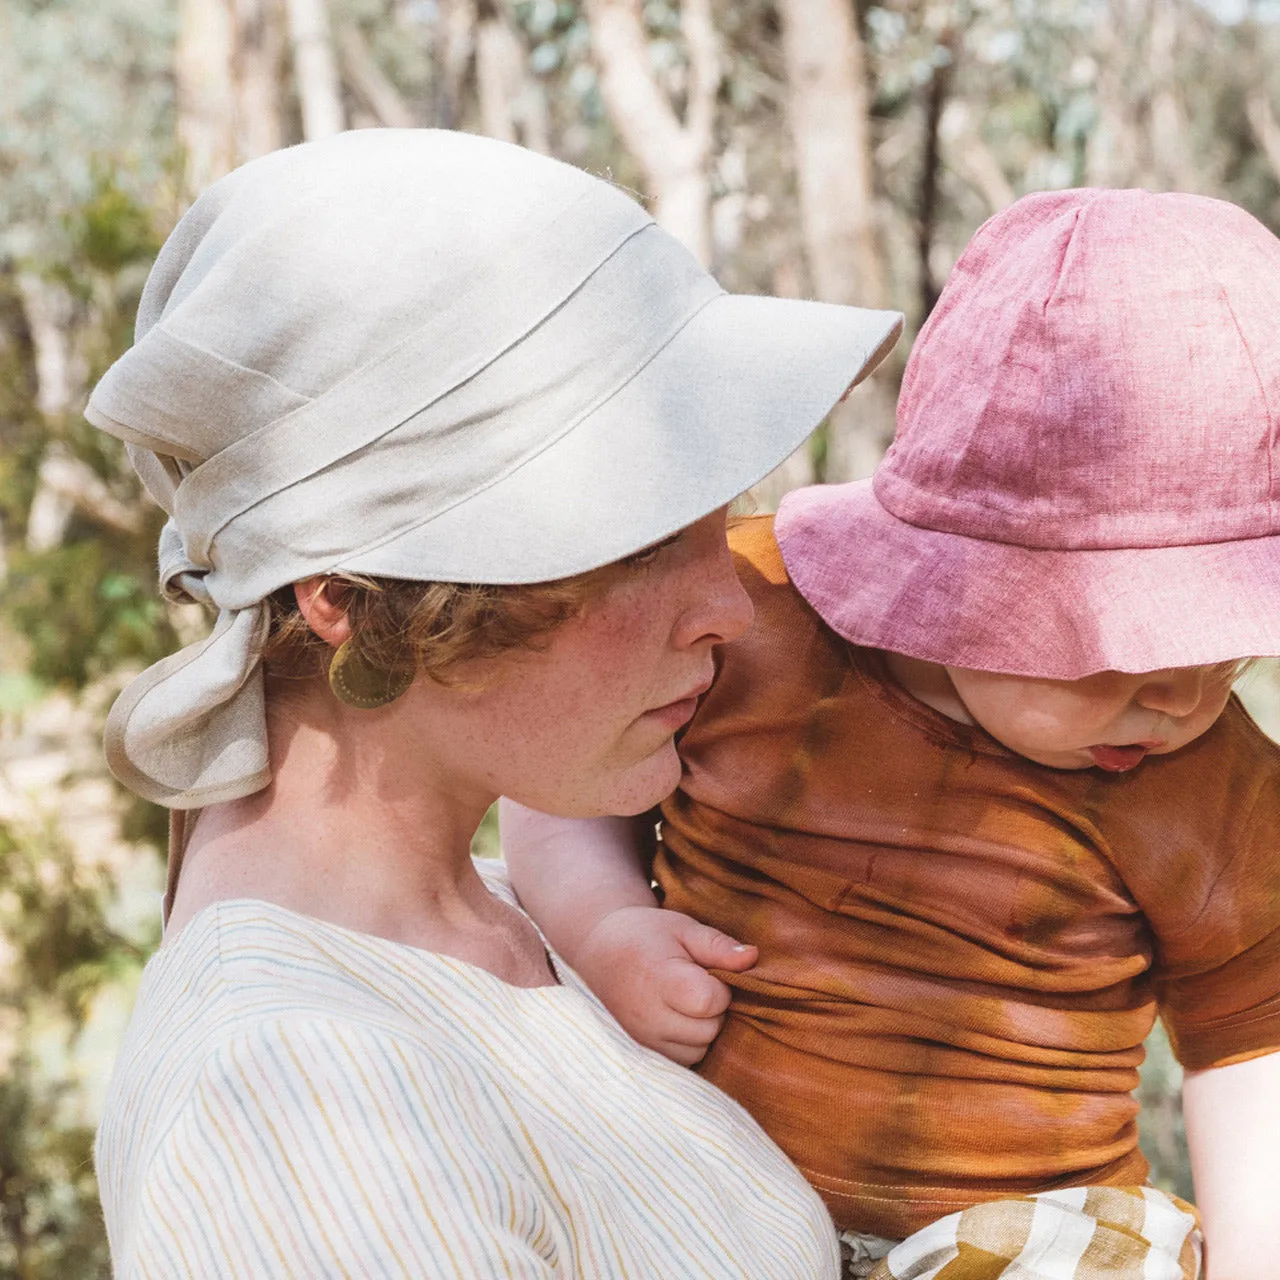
[[1174, 165], [49, 311], [969, 157], [829, 107], [257, 62], [64, 484], [1115, 153], [204, 90], [227, 68], [1266, 128], [513, 106], [797, 470], [315, 69], [458, 20], [370, 82], [1143, 137], [674, 154]]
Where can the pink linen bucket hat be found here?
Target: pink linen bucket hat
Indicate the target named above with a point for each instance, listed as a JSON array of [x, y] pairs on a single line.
[[1086, 472]]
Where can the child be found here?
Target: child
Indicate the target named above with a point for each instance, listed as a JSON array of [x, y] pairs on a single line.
[[974, 788]]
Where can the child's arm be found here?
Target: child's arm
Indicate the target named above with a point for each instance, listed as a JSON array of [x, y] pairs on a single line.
[[585, 881], [1233, 1131]]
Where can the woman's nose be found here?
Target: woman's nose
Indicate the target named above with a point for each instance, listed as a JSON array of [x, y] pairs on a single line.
[[719, 608], [1175, 693]]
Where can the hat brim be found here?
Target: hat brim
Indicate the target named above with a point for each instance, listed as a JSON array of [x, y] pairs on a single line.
[[965, 602], [724, 402]]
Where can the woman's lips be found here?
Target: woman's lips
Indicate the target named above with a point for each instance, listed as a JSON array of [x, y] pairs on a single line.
[[1120, 759], [675, 714]]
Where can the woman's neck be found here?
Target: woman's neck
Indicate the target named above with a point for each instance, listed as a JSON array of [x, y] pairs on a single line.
[[363, 827]]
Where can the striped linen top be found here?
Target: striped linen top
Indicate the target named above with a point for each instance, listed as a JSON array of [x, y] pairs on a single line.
[[297, 1099]]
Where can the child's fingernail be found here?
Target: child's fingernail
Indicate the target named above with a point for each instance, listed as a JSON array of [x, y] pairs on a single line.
[[741, 946]]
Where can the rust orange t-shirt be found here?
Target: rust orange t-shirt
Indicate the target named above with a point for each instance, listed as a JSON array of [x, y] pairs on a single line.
[[961, 951]]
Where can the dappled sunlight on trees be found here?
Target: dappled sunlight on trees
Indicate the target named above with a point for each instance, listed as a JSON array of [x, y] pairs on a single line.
[[839, 149]]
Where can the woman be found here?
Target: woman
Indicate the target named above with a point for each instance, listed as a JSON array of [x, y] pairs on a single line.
[[372, 373]]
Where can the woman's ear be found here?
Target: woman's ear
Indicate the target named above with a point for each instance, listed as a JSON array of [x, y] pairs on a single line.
[[321, 602]]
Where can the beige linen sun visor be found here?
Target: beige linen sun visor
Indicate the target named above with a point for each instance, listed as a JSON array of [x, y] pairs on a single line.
[[408, 353]]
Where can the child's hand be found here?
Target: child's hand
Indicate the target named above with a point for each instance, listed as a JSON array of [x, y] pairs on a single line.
[[649, 966]]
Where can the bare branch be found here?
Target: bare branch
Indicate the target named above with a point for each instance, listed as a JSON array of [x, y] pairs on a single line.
[[968, 156], [458, 21], [66, 485], [369, 81], [674, 155], [1265, 127], [637, 105], [705, 72], [513, 105]]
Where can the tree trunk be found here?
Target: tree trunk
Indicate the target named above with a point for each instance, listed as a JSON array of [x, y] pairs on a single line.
[[204, 91], [829, 103], [829, 106], [513, 106], [675, 155], [64, 484], [257, 64], [227, 69], [315, 69]]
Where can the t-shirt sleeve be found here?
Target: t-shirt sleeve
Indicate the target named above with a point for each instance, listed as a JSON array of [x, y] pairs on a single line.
[[311, 1149], [1209, 884]]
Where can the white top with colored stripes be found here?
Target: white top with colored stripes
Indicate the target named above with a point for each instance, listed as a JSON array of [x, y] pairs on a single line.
[[296, 1099]]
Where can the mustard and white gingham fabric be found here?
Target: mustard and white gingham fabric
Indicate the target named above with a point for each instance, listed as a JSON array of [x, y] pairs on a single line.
[[1079, 1233]]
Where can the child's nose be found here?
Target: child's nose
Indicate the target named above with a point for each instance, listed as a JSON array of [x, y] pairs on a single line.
[[1175, 693]]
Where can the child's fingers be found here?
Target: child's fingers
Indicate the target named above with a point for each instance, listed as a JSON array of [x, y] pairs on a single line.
[[688, 1044], [691, 991], [713, 949]]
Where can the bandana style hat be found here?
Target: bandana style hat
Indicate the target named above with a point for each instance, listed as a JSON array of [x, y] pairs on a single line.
[[1086, 473], [430, 356]]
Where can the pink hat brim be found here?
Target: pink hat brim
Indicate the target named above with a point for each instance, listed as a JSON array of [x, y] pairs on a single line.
[[991, 606]]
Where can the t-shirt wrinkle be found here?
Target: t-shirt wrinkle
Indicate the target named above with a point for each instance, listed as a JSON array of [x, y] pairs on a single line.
[[961, 951]]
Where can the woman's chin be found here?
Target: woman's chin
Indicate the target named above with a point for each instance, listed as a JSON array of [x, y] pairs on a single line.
[[646, 783]]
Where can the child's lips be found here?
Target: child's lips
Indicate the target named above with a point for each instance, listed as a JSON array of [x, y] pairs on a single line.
[[1121, 759]]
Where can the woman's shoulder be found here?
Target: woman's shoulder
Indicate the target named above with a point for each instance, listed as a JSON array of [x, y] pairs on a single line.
[[252, 995], [246, 967]]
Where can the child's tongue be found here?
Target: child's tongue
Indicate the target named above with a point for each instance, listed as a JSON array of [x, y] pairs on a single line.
[[1117, 759]]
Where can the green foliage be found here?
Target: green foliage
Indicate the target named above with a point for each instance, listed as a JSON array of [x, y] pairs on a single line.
[[112, 229], [1160, 1124], [76, 611], [485, 842], [87, 605], [53, 919], [61, 949], [82, 615], [50, 1225]]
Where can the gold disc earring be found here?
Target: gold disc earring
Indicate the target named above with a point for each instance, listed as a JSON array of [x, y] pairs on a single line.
[[359, 683]]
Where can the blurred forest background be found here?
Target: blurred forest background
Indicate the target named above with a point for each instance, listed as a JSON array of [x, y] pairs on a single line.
[[838, 149]]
